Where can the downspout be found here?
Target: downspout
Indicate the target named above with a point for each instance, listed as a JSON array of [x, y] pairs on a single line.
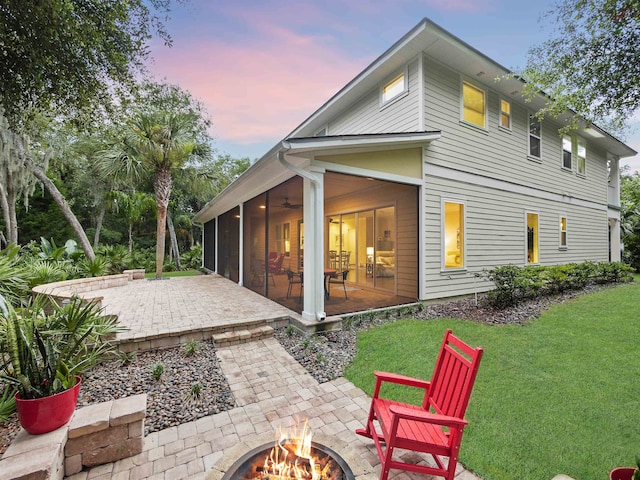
[[315, 184], [299, 171]]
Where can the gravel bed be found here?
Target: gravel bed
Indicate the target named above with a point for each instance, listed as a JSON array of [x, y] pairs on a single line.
[[326, 355], [171, 400]]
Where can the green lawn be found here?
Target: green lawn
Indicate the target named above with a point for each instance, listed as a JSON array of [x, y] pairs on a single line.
[[560, 394], [181, 273]]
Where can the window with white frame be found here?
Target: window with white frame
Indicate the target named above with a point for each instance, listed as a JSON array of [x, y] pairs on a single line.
[[567, 153], [563, 232], [453, 235], [394, 89], [474, 105], [505, 114], [534, 137], [582, 157], [532, 243]]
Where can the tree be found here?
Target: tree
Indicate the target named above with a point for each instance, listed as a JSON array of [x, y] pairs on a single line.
[[630, 218], [591, 65], [15, 180], [69, 56], [132, 206], [156, 144]]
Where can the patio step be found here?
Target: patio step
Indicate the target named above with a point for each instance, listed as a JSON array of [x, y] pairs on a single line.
[[237, 337]]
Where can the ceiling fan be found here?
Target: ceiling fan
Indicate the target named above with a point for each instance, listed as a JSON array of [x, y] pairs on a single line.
[[286, 204]]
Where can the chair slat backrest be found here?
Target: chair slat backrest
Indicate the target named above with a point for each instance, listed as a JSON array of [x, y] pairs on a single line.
[[453, 377]]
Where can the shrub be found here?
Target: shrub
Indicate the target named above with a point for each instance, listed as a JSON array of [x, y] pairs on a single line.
[[192, 258], [514, 284]]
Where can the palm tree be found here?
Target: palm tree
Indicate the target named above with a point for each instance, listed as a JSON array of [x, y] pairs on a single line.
[[156, 144]]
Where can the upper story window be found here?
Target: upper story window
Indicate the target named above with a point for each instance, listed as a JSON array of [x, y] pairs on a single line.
[[582, 157], [453, 234], [321, 133], [567, 153], [394, 89], [505, 114], [474, 105], [534, 136]]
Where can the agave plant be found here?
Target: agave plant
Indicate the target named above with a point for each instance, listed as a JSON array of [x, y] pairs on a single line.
[[45, 351]]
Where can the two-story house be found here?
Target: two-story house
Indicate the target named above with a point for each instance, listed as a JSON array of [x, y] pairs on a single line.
[[417, 175]]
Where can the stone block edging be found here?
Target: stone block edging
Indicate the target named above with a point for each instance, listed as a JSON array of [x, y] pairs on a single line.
[[82, 287], [97, 434]]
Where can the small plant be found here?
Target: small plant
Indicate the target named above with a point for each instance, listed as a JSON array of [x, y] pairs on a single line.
[[320, 357], [289, 330], [306, 343], [126, 358], [157, 370], [194, 395], [7, 403], [190, 348]]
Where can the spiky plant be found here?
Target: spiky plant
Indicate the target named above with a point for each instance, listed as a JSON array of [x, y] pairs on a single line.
[[45, 351]]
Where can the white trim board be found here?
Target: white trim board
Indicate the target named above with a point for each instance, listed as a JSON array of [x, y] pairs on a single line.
[[479, 180]]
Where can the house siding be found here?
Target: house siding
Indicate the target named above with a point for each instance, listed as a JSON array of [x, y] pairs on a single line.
[[499, 153], [366, 115], [495, 233]]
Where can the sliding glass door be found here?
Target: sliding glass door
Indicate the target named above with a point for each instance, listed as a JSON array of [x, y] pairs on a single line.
[[364, 243]]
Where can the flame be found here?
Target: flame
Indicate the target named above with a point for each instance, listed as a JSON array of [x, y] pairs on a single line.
[[291, 456]]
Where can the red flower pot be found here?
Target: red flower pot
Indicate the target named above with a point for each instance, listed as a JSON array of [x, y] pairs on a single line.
[[622, 473], [42, 415]]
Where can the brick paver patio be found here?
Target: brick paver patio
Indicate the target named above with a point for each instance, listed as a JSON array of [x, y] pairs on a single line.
[[271, 389]]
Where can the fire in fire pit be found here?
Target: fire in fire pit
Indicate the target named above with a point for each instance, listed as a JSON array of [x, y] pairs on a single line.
[[294, 456]]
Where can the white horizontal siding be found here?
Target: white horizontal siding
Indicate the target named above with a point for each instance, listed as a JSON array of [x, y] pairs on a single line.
[[498, 153], [366, 116], [495, 233]]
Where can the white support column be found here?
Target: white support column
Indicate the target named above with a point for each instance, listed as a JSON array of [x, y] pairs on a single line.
[[313, 308], [241, 246], [614, 239]]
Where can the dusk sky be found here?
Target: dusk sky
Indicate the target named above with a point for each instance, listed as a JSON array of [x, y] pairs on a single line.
[[261, 67]]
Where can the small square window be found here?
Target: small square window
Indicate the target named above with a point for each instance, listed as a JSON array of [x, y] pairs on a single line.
[[567, 155], [394, 88], [474, 105], [505, 114]]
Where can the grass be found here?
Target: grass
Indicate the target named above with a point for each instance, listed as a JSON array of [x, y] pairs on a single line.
[[560, 394], [181, 273]]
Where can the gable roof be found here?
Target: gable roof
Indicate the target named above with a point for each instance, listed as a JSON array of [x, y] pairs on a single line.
[[427, 37]]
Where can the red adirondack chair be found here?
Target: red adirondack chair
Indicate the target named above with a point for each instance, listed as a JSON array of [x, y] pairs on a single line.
[[436, 426]]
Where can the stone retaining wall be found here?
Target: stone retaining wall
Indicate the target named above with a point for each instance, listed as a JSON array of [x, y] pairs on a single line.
[[82, 287], [97, 434]]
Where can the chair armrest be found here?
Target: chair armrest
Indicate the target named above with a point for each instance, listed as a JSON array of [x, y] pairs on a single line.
[[401, 380], [427, 417]]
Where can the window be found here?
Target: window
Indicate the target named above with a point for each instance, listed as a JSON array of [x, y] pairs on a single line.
[[563, 232], [453, 234], [567, 148], [532, 238], [534, 136], [582, 157], [474, 105], [394, 88], [505, 114]]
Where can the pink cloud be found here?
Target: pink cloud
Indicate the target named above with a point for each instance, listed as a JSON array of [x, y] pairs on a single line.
[[262, 89]]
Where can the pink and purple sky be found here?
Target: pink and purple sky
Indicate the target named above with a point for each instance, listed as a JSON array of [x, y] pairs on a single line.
[[261, 67]]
